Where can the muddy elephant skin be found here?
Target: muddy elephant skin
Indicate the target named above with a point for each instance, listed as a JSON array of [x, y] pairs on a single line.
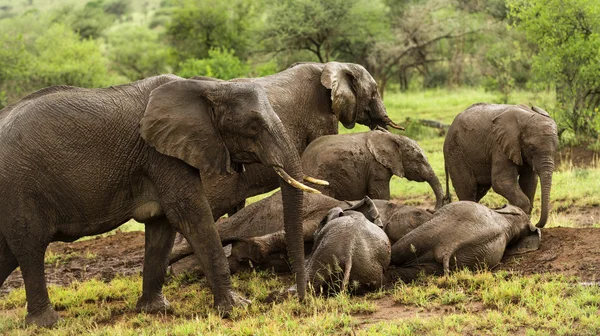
[[361, 164], [503, 147], [349, 249], [77, 162], [256, 232], [460, 234]]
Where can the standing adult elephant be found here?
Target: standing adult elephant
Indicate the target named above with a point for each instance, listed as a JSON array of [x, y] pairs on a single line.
[[310, 99], [504, 147], [361, 164], [76, 162]]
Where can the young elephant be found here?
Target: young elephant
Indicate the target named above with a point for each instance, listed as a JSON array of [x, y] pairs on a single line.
[[362, 164], [349, 247], [463, 234], [256, 231], [505, 147]]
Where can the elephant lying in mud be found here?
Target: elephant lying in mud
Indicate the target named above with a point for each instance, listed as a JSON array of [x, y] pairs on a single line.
[[462, 234], [255, 232], [361, 164], [350, 249]]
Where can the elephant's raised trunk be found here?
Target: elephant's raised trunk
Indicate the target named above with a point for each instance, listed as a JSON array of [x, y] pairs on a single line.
[[546, 167]]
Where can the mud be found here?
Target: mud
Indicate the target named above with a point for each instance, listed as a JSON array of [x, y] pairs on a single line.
[[100, 258], [568, 251]]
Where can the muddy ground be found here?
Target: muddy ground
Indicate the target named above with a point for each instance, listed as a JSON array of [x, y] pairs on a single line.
[[569, 251]]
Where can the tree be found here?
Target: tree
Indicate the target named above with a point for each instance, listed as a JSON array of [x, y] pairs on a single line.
[[144, 58], [567, 36], [416, 28], [329, 29], [221, 63], [198, 26]]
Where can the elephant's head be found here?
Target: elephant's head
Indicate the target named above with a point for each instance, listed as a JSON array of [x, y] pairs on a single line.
[[522, 235], [529, 136], [404, 158], [399, 220], [354, 96], [216, 126]]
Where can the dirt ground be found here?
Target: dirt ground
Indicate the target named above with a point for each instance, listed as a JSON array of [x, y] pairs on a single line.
[[570, 251]]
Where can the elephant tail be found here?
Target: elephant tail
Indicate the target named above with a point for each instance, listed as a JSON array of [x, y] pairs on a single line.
[[447, 198]]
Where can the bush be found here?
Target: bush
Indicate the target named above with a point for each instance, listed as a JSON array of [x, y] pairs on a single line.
[[221, 63]]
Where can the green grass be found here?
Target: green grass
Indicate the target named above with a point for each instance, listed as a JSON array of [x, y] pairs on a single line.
[[465, 302]]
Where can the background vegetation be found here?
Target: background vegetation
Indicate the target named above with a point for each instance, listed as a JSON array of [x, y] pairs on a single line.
[[431, 58], [502, 46]]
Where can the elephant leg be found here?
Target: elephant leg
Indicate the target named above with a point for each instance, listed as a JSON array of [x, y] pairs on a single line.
[[159, 241], [29, 252], [236, 208], [505, 182], [8, 262], [379, 189], [464, 183], [187, 209], [482, 191], [528, 182]]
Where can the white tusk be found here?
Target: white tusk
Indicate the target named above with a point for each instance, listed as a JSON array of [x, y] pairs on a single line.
[[287, 178], [315, 181]]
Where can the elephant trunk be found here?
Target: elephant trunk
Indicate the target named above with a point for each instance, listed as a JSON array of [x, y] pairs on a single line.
[[292, 198], [379, 116], [546, 167], [436, 186]]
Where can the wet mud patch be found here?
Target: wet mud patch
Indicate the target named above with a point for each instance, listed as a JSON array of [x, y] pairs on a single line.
[[97, 258], [568, 251]]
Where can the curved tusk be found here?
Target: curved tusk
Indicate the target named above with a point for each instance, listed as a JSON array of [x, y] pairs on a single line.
[[315, 181], [394, 125], [287, 178]]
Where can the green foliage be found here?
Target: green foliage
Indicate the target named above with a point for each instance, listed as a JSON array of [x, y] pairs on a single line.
[[567, 36], [329, 29], [196, 27], [137, 52], [221, 63]]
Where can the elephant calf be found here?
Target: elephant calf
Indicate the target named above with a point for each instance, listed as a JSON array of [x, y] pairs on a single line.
[[463, 234], [350, 247], [362, 164], [256, 231]]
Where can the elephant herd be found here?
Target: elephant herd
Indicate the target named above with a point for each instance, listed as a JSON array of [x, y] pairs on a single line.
[[177, 154]]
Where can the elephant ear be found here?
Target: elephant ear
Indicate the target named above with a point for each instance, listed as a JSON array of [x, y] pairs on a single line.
[[508, 209], [386, 151], [180, 121], [339, 78], [368, 208], [506, 132]]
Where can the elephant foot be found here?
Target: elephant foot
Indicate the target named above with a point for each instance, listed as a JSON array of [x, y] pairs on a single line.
[[225, 305], [252, 249], [46, 318], [158, 304]]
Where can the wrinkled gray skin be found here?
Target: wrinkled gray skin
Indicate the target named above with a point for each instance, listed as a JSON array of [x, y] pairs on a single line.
[[349, 248], [78, 162], [257, 230], [462, 234], [505, 147], [361, 164], [310, 99]]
